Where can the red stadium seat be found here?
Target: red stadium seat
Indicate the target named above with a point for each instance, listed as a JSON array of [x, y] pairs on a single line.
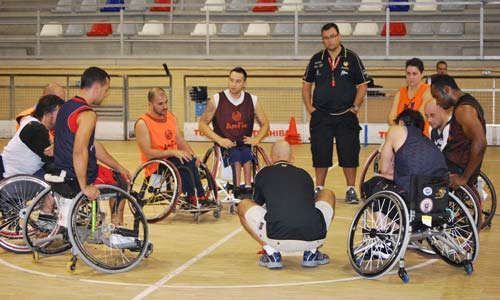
[[396, 29], [265, 8], [99, 29], [161, 8]]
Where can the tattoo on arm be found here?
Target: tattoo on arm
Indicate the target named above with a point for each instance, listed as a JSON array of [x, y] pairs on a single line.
[[208, 114]]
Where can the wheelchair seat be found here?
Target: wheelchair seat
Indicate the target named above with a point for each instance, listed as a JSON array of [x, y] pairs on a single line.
[[428, 198]]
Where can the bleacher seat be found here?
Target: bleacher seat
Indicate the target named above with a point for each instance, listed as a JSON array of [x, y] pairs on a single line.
[[283, 29], [88, 6], [338, 6], [152, 28], [316, 5], [161, 8], [370, 5], [200, 29], [116, 5], [137, 5], [127, 29], [344, 28], [74, 30], [258, 28], [51, 29], [446, 7], [451, 29], [395, 29], [365, 29], [100, 29], [423, 5], [233, 29], [421, 29], [291, 5], [238, 5], [63, 6], [311, 29], [270, 8], [394, 7], [214, 5]]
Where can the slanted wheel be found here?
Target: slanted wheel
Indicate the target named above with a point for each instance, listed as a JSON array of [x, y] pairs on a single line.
[[459, 231], [379, 235], [470, 199], [488, 197], [44, 224], [216, 213], [370, 169], [16, 194], [109, 234], [156, 185]]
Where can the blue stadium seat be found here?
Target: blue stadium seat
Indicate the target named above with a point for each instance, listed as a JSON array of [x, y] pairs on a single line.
[[116, 6], [394, 7]]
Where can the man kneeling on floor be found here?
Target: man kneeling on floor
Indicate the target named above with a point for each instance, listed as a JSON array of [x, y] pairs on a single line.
[[294, 219]]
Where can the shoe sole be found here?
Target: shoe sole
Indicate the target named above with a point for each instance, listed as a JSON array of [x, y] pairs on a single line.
[[312, 264], [271, 265]]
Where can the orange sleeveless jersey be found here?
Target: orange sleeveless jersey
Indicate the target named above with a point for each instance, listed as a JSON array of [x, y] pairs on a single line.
[[413, 103], [28, 112], [163, 136]]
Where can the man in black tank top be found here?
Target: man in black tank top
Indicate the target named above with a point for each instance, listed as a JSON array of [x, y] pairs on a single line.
[[466, 144], [406, 152]]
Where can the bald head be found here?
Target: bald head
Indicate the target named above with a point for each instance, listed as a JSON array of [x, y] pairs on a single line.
[[281, 150], [435, 114], [54, 89]]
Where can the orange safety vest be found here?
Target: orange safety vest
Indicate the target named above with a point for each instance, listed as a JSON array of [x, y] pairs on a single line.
[[163, 136], [413, 103]]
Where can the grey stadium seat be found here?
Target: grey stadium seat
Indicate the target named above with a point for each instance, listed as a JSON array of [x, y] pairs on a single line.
[[420, 29], [451, 29], [283, 29]]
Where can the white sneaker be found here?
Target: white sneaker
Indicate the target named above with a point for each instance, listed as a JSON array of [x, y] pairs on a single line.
[[121, 242]]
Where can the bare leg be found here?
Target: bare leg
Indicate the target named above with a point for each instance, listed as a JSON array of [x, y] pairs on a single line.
[[247, 171], [117, 216], [350, 176], [237, 170], [48, 204], [320, 176], [243, 207]]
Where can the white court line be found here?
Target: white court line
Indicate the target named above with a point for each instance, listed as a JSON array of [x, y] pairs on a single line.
[[189, 263], [274, 285]]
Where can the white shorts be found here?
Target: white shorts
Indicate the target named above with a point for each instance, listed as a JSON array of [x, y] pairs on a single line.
[[255, 219]]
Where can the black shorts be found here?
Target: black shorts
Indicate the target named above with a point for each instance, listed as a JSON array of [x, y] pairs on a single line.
[[324, 128]]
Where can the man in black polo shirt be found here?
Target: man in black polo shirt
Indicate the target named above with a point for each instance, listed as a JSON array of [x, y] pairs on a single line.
[[293, 220], [340, 84]]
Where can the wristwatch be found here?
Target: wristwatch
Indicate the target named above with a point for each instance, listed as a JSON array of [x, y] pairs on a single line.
[[356, 108]]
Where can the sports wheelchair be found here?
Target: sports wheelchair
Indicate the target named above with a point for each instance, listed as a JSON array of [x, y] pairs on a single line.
[[157, 186], [225, 177], [16, 193], [110, 233], [384, 226], [481, 204]]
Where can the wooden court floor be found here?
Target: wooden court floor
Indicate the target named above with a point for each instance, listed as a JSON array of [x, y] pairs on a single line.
[[216, 259]]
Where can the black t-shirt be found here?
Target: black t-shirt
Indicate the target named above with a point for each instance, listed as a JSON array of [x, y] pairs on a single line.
[[348, 74], [288, 193], [36, 137]]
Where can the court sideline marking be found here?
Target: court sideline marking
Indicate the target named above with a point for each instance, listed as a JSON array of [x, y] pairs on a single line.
[[186, 265]]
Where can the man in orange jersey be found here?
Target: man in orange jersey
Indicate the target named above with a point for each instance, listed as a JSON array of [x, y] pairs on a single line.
[[158, 136], [414, 95]]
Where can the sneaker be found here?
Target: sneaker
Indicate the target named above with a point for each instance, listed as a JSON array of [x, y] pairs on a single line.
[[46, 222], [313, 259], [121, 242], [271, 261], [383, 250], [351, 197]]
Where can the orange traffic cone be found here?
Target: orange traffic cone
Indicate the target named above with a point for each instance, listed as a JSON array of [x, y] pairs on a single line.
[[292, 136]]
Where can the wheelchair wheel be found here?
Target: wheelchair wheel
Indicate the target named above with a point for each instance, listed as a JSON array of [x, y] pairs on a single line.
[[471, 201], [379, 235], [458, 243], [211, 160], [110, 233], [156, 185], [370, 169], [45, 233], [16, 193], [260, 159], [488, 197], [209, 184]]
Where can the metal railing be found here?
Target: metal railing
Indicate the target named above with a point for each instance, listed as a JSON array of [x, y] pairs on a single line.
[[184, 15]]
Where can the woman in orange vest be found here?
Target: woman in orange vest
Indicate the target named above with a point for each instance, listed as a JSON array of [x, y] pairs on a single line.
[[414, 95]]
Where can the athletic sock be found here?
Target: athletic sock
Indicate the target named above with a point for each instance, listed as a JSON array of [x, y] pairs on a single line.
[[269, 250]]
